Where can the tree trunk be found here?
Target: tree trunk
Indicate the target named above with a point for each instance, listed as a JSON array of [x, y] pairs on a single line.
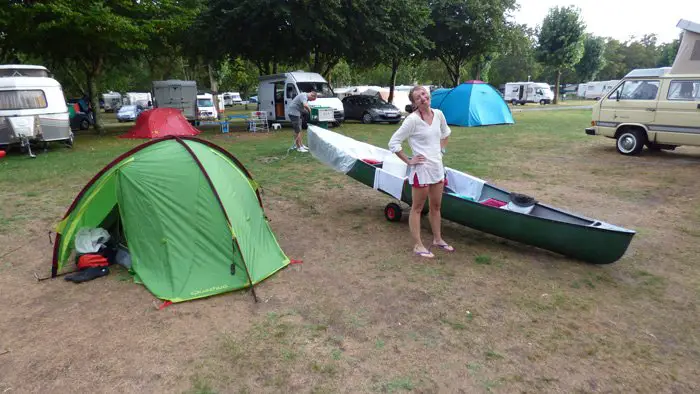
[[95, 102], [556, 88], [394, 68], [214, 86]]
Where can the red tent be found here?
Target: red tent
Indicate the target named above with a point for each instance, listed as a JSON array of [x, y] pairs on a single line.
[[160, 122]]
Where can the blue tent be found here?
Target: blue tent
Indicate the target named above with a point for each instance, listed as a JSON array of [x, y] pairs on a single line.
[[472, 103]]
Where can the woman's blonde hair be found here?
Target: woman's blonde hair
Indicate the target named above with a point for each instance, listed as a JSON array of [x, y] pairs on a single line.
[[410, 93]]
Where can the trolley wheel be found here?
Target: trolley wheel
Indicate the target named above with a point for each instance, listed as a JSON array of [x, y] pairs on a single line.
[[392, 212]]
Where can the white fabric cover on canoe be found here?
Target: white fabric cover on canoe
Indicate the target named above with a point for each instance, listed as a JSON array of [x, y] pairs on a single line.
[[464, 184], [341, 152], [389, 183]]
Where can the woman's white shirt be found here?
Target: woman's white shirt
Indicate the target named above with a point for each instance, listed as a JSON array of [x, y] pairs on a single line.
[[424, 139]]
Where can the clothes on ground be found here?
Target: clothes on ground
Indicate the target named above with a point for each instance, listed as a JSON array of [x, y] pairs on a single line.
[[424, 139], [297, 105], [90, 240]]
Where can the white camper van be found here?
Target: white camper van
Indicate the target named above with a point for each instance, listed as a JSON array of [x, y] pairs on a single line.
[[276, 93], [528, 92], [32, 108], [232, 98], [205, 107]]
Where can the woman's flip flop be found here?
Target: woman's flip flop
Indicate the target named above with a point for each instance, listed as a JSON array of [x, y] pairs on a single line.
[[445, 247], [427, 255]]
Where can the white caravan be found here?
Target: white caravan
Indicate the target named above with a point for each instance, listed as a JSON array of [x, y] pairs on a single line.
[[136, 98], [528, 92], [276, 92], [112, 100], [32, 108], [594, 90]]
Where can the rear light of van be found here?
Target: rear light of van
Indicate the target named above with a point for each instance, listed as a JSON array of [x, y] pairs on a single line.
[[593, 123]]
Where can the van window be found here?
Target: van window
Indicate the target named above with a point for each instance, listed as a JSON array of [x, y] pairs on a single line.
[[684, 91], [291, 92], [639, 90], [205, 102], [322, 88], [22, 99]]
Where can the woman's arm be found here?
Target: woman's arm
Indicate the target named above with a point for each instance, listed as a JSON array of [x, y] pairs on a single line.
[[399, 137], [445, 131]]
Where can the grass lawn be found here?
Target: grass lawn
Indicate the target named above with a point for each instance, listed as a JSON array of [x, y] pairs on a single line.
[[361, 314]]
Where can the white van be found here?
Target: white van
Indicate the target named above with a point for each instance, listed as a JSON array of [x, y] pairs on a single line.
[[205, 107], [594, 90], [528, 92], [33, 109], [277, 91]]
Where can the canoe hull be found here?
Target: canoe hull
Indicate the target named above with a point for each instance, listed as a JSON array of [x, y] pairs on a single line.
[[584, 242]]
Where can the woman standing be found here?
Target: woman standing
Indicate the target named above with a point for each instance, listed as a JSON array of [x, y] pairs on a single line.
[[427, 131]]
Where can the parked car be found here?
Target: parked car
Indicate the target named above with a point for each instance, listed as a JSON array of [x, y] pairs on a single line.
[[80, 121], [370, 109], [129, 113]]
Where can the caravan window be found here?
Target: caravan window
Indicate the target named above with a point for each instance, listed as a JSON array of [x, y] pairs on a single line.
[[22, 99], [322, 88], [684, 90]]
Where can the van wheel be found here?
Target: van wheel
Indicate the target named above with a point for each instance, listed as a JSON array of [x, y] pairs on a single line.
[[366, 118], [630, 142], [84, 124], [542, 102], [514, 102]]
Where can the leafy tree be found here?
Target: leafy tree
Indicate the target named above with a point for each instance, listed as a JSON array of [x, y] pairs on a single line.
[[560, 43], [642, 53], [517, 62], [466, 29], [390, 32], [89, 35], [614, 67], [593, 58], [667, 53]]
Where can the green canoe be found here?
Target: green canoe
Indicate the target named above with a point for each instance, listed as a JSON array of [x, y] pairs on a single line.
[[475, 203]]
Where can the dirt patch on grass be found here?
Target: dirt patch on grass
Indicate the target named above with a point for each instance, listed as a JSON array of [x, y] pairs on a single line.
[[363, 315]]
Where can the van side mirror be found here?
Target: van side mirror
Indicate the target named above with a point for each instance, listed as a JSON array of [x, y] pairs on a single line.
[[617, 95], [409, 108]]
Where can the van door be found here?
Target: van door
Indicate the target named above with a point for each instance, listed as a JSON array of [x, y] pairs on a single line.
[[678, 113], [289, 95], [637, 101], [279, 100]]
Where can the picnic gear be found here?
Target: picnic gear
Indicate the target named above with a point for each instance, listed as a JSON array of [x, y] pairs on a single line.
[[189, 213], [546, 227]]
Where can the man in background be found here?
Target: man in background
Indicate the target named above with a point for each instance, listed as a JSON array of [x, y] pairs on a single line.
[[299, 104]]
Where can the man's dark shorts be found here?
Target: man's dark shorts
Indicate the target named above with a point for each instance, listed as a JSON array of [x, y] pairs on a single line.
[[296, 123]]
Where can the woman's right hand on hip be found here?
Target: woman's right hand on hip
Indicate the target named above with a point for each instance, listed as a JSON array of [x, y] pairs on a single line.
[[417, 159]]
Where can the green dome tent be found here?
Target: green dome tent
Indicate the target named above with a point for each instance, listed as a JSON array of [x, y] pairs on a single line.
[[189, 213]]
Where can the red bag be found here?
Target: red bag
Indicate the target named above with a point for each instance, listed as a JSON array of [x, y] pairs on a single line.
[[91, 260]]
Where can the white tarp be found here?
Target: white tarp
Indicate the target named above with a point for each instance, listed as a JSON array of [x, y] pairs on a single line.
[[339, 151]]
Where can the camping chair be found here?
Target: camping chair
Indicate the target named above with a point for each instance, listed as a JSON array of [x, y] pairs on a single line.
[[258, 121]]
